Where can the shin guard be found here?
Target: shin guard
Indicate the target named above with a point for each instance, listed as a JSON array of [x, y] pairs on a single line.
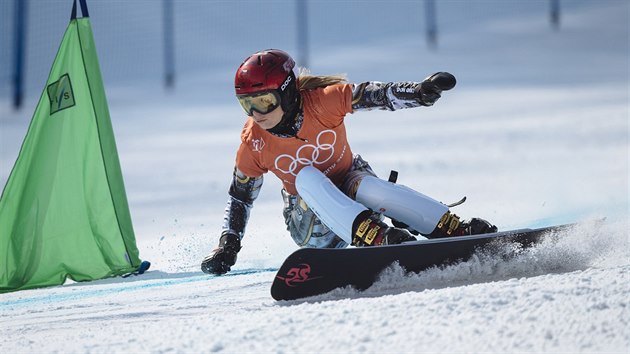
[[401, 203], [335, 209]]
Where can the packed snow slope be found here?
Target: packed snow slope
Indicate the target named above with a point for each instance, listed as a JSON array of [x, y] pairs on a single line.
[[535, 134]]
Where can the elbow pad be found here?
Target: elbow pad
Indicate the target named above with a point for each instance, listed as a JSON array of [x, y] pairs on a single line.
[[243, 191]]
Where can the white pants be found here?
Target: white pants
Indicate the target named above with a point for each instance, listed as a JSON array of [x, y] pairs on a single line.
[[322, 214]]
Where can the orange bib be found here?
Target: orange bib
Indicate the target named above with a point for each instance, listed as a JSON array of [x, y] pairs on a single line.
[[321, 141]]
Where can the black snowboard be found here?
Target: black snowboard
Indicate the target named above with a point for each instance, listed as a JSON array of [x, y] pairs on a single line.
[[313, 271]]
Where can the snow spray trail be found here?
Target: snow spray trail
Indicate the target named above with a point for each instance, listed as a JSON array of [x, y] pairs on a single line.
[[588, 244], [593, 244]]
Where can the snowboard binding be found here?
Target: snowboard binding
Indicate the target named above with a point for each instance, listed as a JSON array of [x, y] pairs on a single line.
[[450, 225], [369, 230]]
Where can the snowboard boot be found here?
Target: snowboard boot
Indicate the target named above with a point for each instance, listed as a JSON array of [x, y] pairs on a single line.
[[223, 257], [369, 230], [450, 225]]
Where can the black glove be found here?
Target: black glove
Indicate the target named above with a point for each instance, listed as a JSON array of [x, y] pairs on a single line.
[[224, 256], [431, 88]]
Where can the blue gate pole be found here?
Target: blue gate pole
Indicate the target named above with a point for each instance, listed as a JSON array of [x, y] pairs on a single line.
[[431, 23], [555, 13], [19, 45], [169, 43], [302, 25]]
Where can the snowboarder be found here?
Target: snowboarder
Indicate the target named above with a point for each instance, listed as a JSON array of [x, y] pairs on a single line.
[[332, 198]]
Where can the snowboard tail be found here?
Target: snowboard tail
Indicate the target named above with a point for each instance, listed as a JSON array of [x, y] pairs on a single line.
[[313, 271]]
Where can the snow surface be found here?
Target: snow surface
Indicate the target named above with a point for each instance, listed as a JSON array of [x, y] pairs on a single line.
[[535, 134]]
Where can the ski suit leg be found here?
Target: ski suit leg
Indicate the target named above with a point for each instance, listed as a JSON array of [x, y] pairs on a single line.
[[328, 202], [360, 191], [305, 227], [401, 203], [395, 201]]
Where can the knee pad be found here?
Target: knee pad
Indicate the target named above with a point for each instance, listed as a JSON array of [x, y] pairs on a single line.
[[334, 208], [305, 228], [398, 202]]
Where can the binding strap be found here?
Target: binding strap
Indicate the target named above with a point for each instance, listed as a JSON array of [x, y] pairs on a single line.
[[84, 9], [460, 202], [393, 176], [448, 224]]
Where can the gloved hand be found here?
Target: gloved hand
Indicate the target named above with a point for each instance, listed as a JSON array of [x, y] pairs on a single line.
[[431, 88], [224, 256]]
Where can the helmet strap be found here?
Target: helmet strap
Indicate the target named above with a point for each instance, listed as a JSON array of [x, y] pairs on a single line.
[[287, 126]]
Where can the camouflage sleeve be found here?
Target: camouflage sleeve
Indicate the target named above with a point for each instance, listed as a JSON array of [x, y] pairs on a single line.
[[388, 96], [242, 193]]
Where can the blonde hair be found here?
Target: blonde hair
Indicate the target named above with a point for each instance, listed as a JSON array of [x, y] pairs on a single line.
[[306, 81]]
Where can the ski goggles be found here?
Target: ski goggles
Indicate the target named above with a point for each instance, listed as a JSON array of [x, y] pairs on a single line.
[[262, 102]]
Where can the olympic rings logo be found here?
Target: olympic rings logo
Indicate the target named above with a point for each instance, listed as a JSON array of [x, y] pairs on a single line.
[[309, 154]]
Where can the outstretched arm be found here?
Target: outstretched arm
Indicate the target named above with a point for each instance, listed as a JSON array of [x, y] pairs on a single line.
[[398, 95]]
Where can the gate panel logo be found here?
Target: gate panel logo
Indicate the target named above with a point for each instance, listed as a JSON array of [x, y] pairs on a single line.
[[60, 94]]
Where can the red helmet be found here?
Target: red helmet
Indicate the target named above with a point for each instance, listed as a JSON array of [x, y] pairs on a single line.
[[265, 81], [265, 70]]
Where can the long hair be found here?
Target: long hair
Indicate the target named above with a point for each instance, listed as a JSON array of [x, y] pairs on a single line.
[[306, 81]]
